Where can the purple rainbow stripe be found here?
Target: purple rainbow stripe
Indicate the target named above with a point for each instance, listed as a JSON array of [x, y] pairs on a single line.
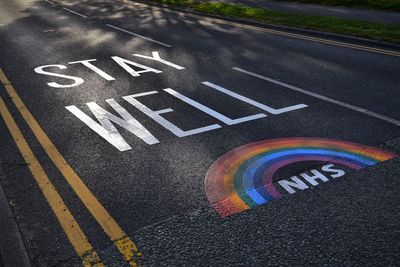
[[249, 177], [242, 178]]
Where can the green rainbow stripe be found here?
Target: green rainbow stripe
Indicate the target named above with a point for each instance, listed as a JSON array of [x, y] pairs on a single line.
[[242, 178]]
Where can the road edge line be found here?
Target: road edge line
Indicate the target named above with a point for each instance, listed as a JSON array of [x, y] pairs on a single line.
[[281, 30], [67, 221], [120, 239]]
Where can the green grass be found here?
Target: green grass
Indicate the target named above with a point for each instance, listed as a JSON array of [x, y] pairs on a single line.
[[370, 4], [371, 30]]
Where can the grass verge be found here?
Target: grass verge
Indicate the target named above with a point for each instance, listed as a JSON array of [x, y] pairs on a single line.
[[359, 28], [393, 5]]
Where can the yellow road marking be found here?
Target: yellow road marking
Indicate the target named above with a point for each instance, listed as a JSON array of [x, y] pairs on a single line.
[[70, 226], [293, 35], [123, 243]]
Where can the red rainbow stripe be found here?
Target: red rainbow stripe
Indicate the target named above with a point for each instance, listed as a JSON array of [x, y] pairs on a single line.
[[220, 185]]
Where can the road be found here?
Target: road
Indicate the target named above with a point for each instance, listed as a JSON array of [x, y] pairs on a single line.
[[113, 112]]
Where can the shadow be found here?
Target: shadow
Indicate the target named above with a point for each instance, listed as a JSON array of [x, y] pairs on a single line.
[[152, 183]]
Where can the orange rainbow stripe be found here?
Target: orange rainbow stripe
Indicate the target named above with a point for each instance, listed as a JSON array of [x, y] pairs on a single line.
[[242, 178]]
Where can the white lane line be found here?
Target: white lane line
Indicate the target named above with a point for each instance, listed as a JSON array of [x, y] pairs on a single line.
[[49, 2], [74, 12], [252, 102], [327, 99], [138, 35]]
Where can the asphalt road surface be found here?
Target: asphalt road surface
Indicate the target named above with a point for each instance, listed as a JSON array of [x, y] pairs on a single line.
[[112, 113]]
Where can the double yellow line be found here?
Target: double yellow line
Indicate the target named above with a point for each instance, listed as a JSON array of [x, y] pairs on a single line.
[[67, 221]]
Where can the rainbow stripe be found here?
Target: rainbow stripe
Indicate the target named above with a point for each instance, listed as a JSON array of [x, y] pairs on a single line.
[[242, 178]]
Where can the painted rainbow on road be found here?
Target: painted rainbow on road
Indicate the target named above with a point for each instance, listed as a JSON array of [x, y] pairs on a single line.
[[242, 178]]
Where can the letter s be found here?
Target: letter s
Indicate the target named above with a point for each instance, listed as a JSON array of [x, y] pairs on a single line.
[[77, 80], [328, 168]]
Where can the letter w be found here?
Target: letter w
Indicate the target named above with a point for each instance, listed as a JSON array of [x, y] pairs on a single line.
[[107, 130]]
